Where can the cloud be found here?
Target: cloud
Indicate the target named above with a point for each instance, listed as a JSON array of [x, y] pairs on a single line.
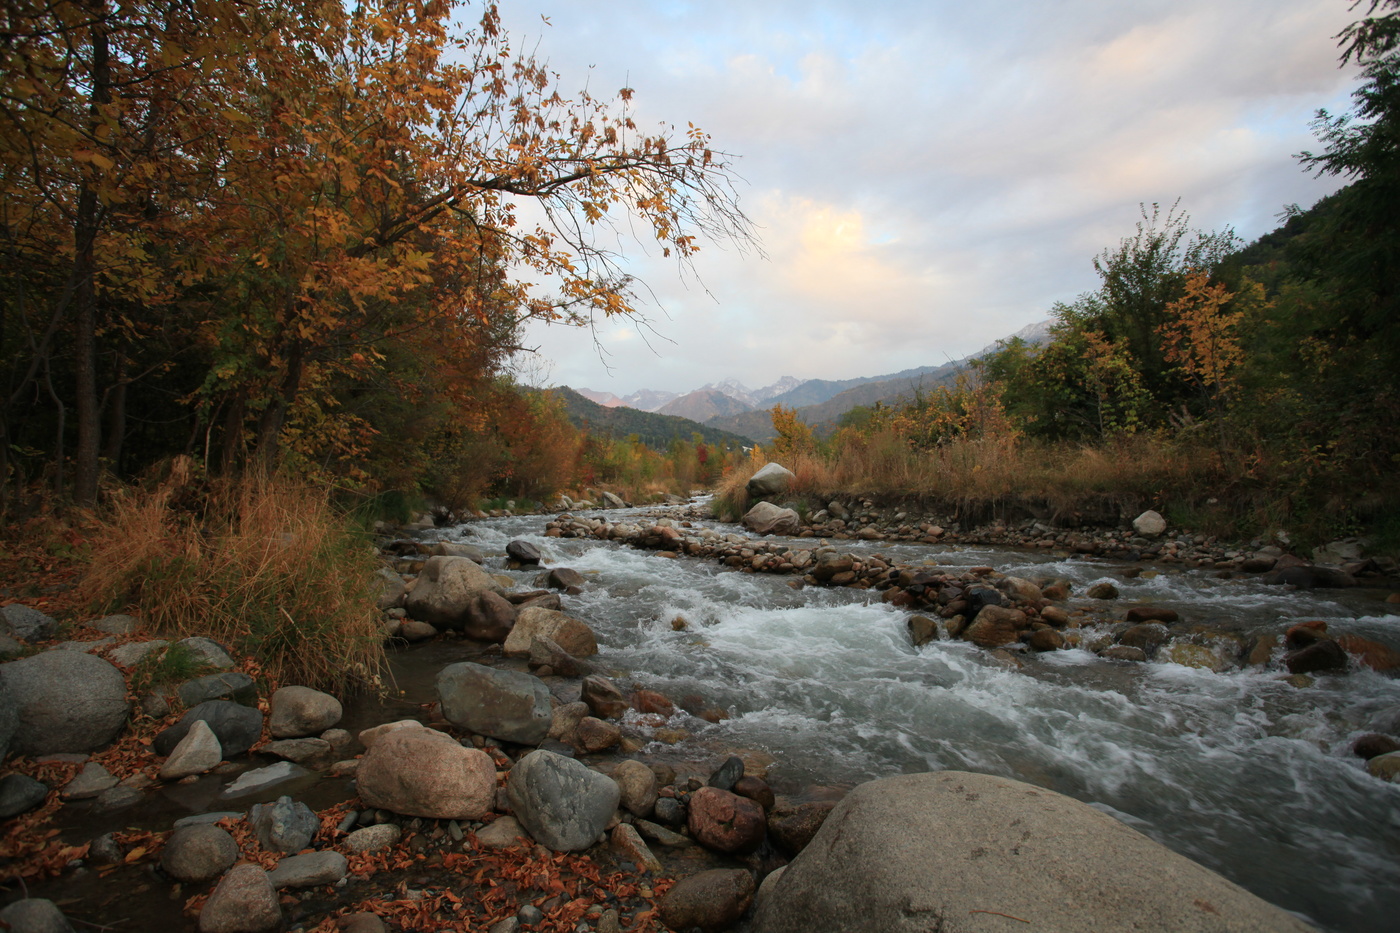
[[930, 176]]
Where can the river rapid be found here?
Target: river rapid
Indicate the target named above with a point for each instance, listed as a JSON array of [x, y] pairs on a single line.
[[1242, 771]]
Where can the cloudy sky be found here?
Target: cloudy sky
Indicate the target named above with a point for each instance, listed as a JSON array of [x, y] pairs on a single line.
[[927, 177]]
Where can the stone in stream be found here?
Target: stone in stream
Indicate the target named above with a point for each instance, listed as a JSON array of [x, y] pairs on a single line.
[[1102, 591], [90, 782], [236, 726], [995, 626], [710, 901], [509, 705], [422, 772], [490, 617], [569, 633], [523, 552], [284, 826], [922, 630], [1151, 614], [560, 802], [34, 915], [309, 870], [603, 697], [765, 518], [260, 779], [793, 826], [20, 793], [445, 589], [1370, 745], [297, 712], [726, 822], [637, 785], [1321, 656], [950, 849], [244, 901], [559, 578], [63, 701], [1386, 767], [198, 853], [726, 774]]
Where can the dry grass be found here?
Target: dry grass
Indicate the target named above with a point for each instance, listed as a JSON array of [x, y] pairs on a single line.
[[266, 566]]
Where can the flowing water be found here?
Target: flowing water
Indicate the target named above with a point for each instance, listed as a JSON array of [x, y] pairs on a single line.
[[1242, 771]]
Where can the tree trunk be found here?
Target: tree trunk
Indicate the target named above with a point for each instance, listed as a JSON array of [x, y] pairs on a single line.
[[274, 416]]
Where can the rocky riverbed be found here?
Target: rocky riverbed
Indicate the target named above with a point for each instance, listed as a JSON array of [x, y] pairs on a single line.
[[533, 773]]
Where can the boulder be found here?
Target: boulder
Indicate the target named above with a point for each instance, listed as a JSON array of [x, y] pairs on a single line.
[[284, 826], [765, 518], [612, 501], [793, 827], [229, 685], [301, 711], [423, 772], [1325, 655], [1370, 653], [637, 785], [922, 630], [490, 617], [373, 838], [952, 850], [64, 701], [628, 843], [445, 589], [1150, 524], [545, 653], [710, 901], [207, 651], [509, 705], [771, 480], [90, 782], [34, 915], [244, 901], [198, 853], [560, 802], [198, 752], [523, 552], [603, 697], [27, 623], [1102, 590], [20, 793], [502, 833], [457, 549], [309, 870], [258, 780], [559, 578], [594, 735], [1386, 767], [390, 589], [237, 727], [995, 626], [569, 633], [726, 822], [1308, 577]]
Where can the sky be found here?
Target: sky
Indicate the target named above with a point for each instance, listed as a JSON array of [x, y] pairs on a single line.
[[926, 178]]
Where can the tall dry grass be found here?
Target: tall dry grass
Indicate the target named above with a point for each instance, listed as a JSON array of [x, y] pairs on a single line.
[[265, 565]]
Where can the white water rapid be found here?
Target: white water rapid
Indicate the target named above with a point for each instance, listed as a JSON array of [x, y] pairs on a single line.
[[1241, 771]]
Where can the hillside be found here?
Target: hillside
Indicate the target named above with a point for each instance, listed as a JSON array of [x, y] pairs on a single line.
[[703, 405], [654, 430]]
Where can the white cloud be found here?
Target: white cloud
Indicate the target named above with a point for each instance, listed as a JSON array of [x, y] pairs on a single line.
[[930, 176]]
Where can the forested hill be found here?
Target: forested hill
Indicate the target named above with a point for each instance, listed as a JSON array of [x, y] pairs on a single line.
[[653, 430]]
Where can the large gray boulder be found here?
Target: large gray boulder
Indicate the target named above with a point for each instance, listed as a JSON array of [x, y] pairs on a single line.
[[35, 915], [772, 480], [423, 772], [244, 901], [958, 851], [562, 803], [509, 705], [445, 589], [765, 518], [302, 711], [284, 826], [236, 726], [64, 701]]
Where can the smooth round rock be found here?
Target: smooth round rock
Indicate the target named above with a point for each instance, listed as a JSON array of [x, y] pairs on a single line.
[[726, 822], [198, 853], [35, 915], [561, 803], [711, 901], [244, 901], [423, 772], [64, 701], [300, 711]]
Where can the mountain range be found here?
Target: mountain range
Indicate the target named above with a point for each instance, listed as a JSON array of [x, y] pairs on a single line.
[[732, 407]]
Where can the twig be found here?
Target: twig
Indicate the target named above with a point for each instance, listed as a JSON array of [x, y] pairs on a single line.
[[997, 913]]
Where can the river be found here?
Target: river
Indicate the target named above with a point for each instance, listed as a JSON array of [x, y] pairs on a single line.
[[1242, 771]]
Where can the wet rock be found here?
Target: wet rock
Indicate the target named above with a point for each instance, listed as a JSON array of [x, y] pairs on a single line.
[[603, 697], [20, 793], [1123, 653], [90, 782], [502, 833], [710, 901], [922, 630], [757, 790], [63, 701], [509, 705], [1019, 590], [229, 685], [457, 549], [1151, 614], [1102, 590], [302, 711], [27, 623], [546, 653], [1046, 639], [34, 915], [283, 826], [374, 838], [1189, 655], [793, 827], [523, 552], [560, 578], [979, 596], [612, 500], [1325, 655], [565, 720], [995, 626], [670, 811], [563, 804], [594, 735], [236, 726], [490, 617], [244, 901], [445, 589], [629, 845], [929, 851], [1263, 651], [198, 853], [1386, 767], [771, 480], [637, 786], [1307, 577], [726, 774], [1370, 653], [390, 589], [313, 868], [423, 772], [1373, 744], [1149, 636], [650, 701], [1304, 634], [569, 633], [311, 752], [726, 822]]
